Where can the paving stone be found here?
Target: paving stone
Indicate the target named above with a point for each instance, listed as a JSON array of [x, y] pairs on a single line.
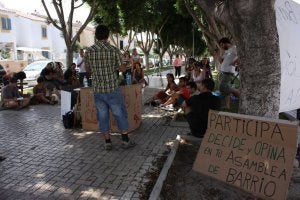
[[46, 161]]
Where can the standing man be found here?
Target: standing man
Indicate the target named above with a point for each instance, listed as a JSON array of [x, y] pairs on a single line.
[[177, 65], [102, 61], [82, 70], [227, 70]]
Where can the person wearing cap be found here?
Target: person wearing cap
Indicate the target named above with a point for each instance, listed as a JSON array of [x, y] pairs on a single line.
[[12, 97]]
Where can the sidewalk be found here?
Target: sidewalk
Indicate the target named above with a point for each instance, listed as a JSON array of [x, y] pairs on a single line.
[[46, 161]]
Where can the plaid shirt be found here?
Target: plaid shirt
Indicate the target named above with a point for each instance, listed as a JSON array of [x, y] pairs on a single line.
[[103, 60]]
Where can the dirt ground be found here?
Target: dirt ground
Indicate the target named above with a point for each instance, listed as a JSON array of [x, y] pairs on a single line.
[[183, 183]]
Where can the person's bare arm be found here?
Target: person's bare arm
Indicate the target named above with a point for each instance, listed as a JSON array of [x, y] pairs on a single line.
[[186, 108]]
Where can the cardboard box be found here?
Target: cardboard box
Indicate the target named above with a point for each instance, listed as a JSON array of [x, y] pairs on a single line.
[[133, 103]]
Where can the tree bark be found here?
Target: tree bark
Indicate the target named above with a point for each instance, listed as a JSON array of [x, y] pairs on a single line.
[[67, 27], [253, 26], [145, 44]]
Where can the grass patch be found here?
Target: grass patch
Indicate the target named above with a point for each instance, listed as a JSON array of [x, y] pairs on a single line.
[[153, 70], [28, 91]]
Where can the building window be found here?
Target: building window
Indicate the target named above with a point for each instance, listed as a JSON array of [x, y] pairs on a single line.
[[44, 32], [6, 23], [121, 44], [46, 54]]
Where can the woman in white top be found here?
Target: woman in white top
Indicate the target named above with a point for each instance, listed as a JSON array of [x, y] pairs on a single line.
[[135, 58], [198, 74]]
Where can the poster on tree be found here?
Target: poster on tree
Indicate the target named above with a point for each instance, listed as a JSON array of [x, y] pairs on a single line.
[[288, 27], [252, 153]]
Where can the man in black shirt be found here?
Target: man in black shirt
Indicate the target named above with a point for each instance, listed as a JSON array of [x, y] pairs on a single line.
[[197, 107]]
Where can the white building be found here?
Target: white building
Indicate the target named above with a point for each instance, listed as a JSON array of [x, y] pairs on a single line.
[[28, 37]]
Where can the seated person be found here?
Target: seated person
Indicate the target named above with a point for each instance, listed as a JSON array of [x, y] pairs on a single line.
[[50, 80], [126, 59], [49, 75], [178, 97], [193, 88], [189, 68], [40, 92], [20, 76], [163, 95], [197, 107], [138, 75], [59, 72], [198, 74], [12, 97], [70, 76]]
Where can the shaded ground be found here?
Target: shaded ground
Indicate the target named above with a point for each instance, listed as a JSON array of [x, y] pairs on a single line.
[[183, 183]]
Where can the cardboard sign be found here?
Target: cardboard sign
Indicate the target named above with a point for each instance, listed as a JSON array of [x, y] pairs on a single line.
[[133, 103], [252, 153]]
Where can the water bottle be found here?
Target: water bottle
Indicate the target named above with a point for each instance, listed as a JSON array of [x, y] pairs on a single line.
[[128, 78], [85, 82]]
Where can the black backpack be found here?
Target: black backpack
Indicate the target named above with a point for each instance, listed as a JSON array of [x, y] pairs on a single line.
[[68, 120]]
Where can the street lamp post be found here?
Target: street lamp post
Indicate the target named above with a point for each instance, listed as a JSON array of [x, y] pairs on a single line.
[[193, 42]]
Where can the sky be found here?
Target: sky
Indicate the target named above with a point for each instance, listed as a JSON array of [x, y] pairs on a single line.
[[29, 6], [32, 5]]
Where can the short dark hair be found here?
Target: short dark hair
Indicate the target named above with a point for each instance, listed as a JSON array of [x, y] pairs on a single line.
[[191, 60], [40, 79], [13, 80], [183, 79], [224, 40], [208, 84], [102, 32], [192, 85]]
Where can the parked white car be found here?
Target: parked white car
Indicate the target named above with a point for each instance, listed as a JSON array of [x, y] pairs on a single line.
[[33, 70]]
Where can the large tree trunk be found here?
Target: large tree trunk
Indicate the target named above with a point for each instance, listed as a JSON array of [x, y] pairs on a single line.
[[258, 47], [253, 25], [145, 43]]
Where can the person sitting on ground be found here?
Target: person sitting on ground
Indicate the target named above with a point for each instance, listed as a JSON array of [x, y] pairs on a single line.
[[135, 58], [193, 88], [178, 97], [196, 108], [50, 80], [189, 68], [198, 73], [204, 64], [138, 75], [70, 76], [49, 75], [126, 59], [163, 95], [12, 97], [40, 93], [59, 72]]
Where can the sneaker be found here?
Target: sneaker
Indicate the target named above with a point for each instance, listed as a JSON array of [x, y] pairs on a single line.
[[129, 144], [108, 146], [154, 103]]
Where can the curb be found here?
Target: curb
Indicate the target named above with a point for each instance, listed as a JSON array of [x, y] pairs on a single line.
[[164, 172]]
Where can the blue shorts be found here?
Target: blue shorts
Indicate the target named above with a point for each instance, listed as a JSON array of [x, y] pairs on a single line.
[[111, 101]]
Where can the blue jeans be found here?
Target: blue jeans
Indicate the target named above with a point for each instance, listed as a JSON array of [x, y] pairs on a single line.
[[111, 101]]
